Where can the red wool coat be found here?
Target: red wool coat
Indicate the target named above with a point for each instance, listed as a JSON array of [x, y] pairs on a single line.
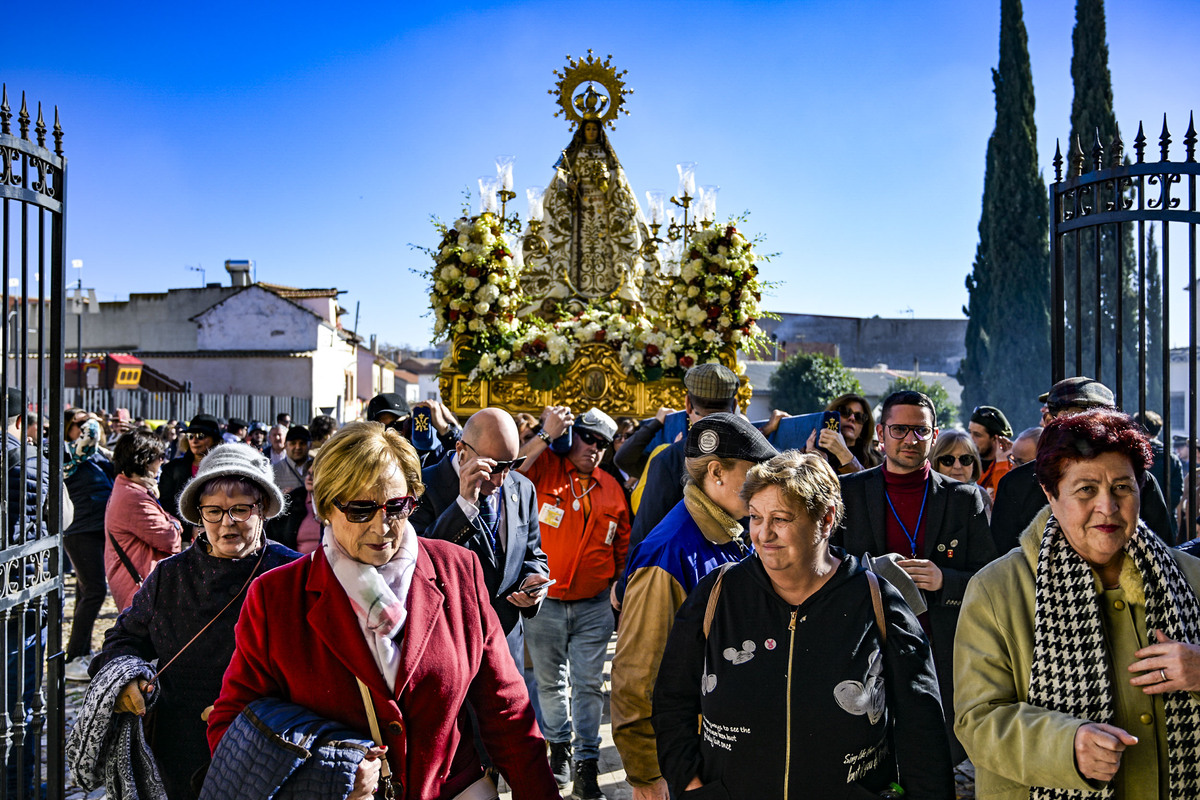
[[298, 639]]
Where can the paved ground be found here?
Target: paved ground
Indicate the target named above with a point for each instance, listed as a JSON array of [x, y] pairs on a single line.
[[612, 778]]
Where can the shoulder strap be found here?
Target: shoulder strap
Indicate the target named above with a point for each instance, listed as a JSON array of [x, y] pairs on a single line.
[[711, 609], [125, 561], [385, 768], [877, 603]]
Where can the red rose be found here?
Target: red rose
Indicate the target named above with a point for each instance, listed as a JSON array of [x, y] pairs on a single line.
[[473, 272], [600, 335], [652, 350], [714, 312], [686, 361], [694, 253], [730, 231], [453, 315]]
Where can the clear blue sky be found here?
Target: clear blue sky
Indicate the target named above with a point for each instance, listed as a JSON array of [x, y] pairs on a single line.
[[318, 139]]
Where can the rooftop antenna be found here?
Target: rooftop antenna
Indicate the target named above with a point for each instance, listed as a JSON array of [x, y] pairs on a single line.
[[199, 269]]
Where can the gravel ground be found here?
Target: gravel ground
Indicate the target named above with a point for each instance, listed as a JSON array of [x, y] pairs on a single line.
[[612, 775]]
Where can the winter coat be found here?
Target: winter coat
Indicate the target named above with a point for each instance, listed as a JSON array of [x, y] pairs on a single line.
[[1015, 745], [800, 701], [178, 599], [145, 532]]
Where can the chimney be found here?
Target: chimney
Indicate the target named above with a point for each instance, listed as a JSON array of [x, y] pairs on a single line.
[[239, 272]]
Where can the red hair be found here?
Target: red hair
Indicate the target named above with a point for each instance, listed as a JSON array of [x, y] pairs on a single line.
[[1079, 437]]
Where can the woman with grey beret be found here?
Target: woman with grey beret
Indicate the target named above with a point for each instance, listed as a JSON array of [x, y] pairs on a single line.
[[184, 613]]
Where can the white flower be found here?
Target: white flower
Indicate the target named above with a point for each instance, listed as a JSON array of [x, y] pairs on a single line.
[[486, 362], [668, 359], [482, 308], [696, 315], [467, 257], [503, 355], [723, 320], [471, 284], [475, 325], [709, 335], [693, 291], [493, 277], [725, 296], [503, 301]]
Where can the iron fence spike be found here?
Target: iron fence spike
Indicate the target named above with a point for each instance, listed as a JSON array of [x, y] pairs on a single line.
[[23, 117], [58, 134], [1097, 152], [1058, 162], [5, 111], [1116, 150], [40, 127], [1189, 138], [1139, 144], [1164, 141], [1078, 160]]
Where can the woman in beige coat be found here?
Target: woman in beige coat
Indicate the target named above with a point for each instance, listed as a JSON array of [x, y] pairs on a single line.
[[1076, 655]]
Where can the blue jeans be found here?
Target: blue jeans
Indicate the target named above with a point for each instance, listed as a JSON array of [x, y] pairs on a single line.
[[571, 635]]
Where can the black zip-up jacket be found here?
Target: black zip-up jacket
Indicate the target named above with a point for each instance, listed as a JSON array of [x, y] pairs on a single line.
[[796, 701]]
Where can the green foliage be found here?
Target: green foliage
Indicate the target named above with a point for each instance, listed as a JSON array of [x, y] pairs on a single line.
[[1008, 329], [806, 382], [947, 412]]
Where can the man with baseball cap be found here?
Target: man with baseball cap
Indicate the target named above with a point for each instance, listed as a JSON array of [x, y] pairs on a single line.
[[585, 532], [992, 435], [391, 409], [1019, 496], [711, 389], [203, 433]]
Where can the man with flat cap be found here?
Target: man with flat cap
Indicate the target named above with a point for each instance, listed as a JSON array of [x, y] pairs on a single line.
[[992, 435], [475, 498], [711, 389], [203, 433], [585, 533], [1019, 496]]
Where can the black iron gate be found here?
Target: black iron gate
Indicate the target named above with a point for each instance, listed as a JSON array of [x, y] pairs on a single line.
[[33, 194], [1108, 323]]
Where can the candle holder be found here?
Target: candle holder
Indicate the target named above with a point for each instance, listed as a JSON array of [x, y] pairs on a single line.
[[650, 247], [534, 244]]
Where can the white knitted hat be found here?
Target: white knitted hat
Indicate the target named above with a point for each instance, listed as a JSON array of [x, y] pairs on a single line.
[[232, 460]]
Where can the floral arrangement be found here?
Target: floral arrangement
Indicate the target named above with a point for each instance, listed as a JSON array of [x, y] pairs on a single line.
[[712, 303], [716, 299]]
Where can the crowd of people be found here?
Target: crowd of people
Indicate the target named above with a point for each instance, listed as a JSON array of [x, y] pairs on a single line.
[[423, 615]]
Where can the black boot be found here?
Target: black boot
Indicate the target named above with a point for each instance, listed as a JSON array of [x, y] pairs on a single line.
[[560, 763], [587, 780]]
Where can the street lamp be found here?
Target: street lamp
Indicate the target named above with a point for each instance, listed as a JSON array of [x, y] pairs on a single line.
[[77, 263]]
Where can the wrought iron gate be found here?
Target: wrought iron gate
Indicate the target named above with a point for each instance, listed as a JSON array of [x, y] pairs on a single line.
[[33, 194], [1102, 311]]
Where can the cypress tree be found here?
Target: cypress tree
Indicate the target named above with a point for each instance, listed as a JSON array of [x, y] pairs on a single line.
[[1093, 121], [1008, 329]]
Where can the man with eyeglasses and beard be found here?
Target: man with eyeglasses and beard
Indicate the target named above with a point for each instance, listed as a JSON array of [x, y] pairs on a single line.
[[203, 433], [585, 534], [933, 528], [475, 497]]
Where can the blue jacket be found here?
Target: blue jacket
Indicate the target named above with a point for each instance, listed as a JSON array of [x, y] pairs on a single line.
[[279, 750]]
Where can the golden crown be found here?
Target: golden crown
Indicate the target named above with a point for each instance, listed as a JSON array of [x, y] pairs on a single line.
[[590, 104]]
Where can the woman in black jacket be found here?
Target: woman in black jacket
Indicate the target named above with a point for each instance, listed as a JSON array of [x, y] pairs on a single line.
[[810, 678]]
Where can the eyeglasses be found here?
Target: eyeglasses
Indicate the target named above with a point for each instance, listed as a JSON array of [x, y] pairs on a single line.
[[501, 466], [196, 436], [239, 513], [1016, 462], [364, 510], [964, 460], [922, 432], [856, 416], [587, 437]]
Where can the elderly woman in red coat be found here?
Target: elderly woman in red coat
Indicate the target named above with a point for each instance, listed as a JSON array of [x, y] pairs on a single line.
[[409, 618]]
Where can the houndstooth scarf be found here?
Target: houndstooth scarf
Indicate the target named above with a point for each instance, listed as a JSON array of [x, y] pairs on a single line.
[[1070, 670], [109, 749]]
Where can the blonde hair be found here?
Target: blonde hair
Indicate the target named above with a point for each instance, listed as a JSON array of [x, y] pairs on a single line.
[[696, 467], [805, 480], [356, 458]]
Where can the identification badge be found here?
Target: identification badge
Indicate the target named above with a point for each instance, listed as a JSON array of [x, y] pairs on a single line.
[[551, 515], [612, 532]]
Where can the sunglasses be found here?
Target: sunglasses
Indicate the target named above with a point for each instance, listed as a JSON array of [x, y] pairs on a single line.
[[856, 416], [364, 510], [901, 432], [239, 513], [964, 460], [587, 437], [195, 436], [500, 466]]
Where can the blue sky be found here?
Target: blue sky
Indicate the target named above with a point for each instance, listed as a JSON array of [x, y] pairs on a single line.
[[318, 140]]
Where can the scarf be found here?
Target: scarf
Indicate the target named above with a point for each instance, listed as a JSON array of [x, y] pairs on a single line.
[[1070, 670], [378, 595], [110, 749], [712, 520], [82, 448]]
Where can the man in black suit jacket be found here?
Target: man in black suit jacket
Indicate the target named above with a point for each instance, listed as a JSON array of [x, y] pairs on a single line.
[[937, 525], [474, 497]]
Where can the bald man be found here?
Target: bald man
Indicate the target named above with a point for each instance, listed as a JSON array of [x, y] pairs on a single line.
[[475, 497]]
